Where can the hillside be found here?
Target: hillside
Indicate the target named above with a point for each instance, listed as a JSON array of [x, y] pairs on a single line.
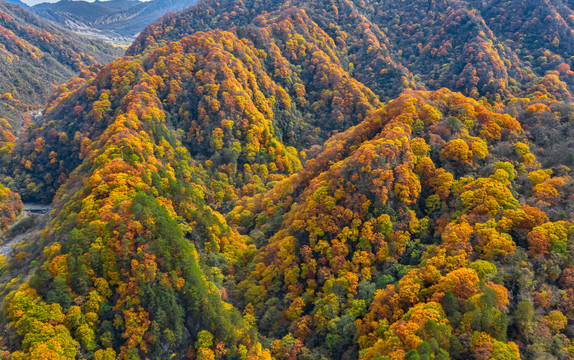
[[79, 16], [89, 11], [304, 180], [131, 21], [405, 237], [36, 56], [422, 44], [18, 2], [80, 10], [118, 20]]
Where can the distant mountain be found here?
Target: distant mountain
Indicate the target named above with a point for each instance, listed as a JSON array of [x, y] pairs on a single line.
[[36, 55], [134, 20], [18, 2], [82, 10], [113, 19]]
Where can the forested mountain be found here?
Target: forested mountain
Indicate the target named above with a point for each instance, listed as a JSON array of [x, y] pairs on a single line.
[[18, 2], [481, 48], [81, 11], [130, 22], [115, 19], [36, 56], [309, 179]]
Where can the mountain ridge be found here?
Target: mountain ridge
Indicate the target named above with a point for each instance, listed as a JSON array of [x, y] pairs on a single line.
[[475, 77], [275, 180], [37, 55], [116, 19]]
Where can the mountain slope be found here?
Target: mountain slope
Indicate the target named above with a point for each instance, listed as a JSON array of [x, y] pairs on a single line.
[[87, 10], [418, 196], [124, 18], [247, 110], [130, 22], [18, 2], [434, 44], [79, 10], [79, 16], [175, 304], [235, 188], [228, 144], [150, 181], [36, 56]]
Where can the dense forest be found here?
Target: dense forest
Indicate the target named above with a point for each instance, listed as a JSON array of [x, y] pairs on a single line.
[[312, 179], [36, 56]]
